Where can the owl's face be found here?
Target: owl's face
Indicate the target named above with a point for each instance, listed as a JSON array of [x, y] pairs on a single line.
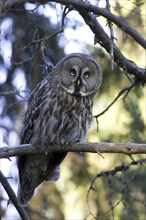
[[80, 75]]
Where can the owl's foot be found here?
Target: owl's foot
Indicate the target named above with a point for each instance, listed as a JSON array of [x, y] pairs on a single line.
[[39, 142], [64, 143]]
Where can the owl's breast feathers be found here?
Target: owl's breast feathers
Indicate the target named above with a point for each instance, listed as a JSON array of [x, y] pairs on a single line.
[[63, 117], [53, 115]]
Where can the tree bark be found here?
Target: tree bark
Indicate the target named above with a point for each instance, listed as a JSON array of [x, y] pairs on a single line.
[[91, 147]]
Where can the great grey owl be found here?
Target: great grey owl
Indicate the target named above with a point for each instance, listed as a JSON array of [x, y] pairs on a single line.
[[59, 110]]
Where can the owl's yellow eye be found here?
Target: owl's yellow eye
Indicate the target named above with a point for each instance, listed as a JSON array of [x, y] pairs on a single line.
[[72, 72], [86, 75]]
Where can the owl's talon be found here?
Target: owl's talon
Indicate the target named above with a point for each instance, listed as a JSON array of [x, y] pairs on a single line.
[[64, 144], [37, 143], [40, 142]]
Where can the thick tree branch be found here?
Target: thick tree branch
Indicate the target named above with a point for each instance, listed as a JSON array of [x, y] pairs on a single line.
[[119, 21], [92, 147], [112, 38], [87, 7], [104, 40], [13, 197]]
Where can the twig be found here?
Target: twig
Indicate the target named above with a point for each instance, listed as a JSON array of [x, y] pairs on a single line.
[[13, 197], [88, 7], [111, 37], [93, 147], [89, 12], [66, 10], [122, 168], [14, 103], [13, 92], [110, 194], [126, 89], [120, 22], [104, 41], [42, 41]]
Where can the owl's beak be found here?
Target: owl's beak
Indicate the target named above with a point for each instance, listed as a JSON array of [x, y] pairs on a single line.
[[78, 82]]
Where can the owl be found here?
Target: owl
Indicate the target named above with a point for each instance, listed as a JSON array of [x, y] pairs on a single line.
[[59, 111]]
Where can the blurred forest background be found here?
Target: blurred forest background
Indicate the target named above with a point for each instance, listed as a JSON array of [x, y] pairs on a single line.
[[24, 60]]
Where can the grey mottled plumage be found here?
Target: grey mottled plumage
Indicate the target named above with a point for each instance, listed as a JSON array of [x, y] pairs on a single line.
[[59, 109]]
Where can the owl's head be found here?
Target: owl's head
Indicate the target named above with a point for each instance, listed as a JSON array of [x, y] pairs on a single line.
[[80, 74]]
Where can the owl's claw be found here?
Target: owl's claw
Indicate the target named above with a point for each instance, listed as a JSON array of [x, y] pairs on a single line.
[[40, 142], [64, 143], [37, 142]]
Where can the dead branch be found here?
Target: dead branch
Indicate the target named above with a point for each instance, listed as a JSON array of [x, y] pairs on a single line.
[[104, 41], [12, 92], [110, 25], [121, 168], [87, 7], [126, 89], [13, 197], [120, 22], [89, 12], [91, 147]]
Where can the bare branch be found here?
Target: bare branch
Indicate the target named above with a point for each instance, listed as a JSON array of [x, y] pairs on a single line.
[[92, 147], [122, 168], [104, 41], [13, 197], [87, 7], [111, 37], [126, 89], [13, 92], [120, 22]]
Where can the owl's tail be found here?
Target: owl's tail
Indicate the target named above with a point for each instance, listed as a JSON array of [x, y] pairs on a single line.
[[24, 197]]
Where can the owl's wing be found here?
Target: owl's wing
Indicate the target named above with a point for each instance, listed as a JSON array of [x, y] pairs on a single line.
[[35, 168], [54, 176], [32, 113], [26, 188]]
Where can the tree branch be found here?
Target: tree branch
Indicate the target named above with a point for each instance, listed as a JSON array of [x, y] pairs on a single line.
[[126, 89], [112, 38], [13, 197], [92, 147], [104, 41], [119, 21], [82, 5], [86, 10], [122, 168]]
